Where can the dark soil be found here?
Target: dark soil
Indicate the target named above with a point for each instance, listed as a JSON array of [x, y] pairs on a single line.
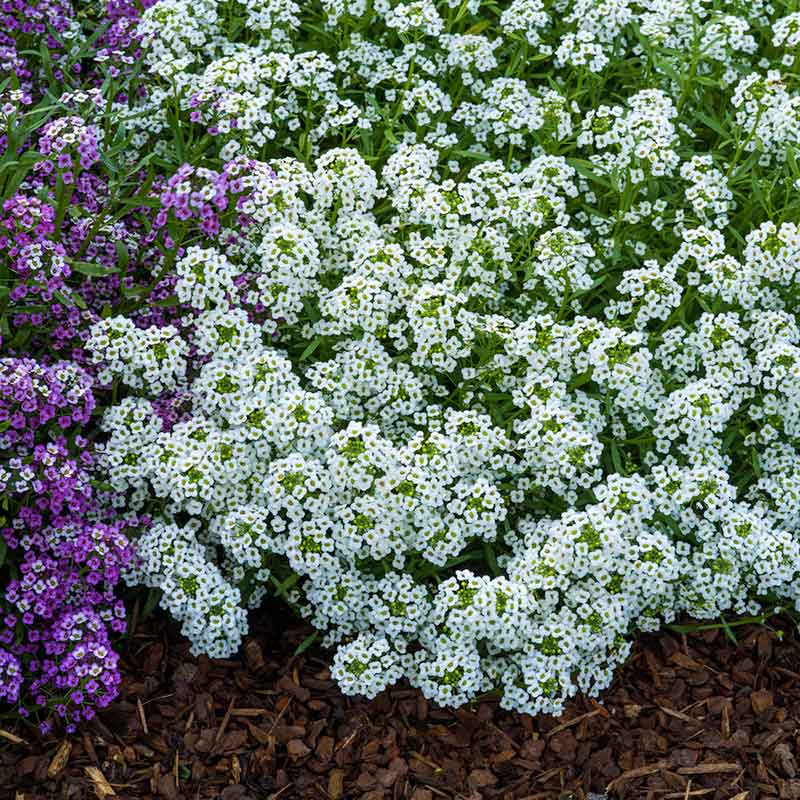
[[694, 716]]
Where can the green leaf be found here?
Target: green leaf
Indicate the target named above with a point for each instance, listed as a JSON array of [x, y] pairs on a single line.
[[306, 643], [70, 300], [709, 122], [153, 596], [588, 170], [479, 27], [91, 269], [729, 631], [491, 558], [723, 624], [122, 256], [282, 589], [581, 380], [472, 154], [133, 292], [756, 464], [616, 459], [311, 348]]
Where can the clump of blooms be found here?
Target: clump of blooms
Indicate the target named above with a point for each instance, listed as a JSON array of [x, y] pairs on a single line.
[[151, 358], [65, 599], [32, 395], [69, 147], [11, 672], [27, 25], [60, 608], [579, 459], [68, 256], [488, 345]]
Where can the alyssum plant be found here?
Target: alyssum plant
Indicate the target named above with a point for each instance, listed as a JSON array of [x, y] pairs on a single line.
[[477, 335]]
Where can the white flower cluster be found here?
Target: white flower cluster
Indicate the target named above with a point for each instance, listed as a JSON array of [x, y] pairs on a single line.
[[170, 558], [151, 359], [707, 190], [498, 360], [768, 112], [644, 135], [268, 87]]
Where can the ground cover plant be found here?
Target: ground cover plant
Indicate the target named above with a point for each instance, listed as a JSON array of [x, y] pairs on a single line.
[[468, 329]]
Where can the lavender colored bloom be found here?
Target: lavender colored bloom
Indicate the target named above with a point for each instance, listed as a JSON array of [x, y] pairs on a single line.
[[71, 145], [24, 25], [69, 545], [32, 394], [10, 676]]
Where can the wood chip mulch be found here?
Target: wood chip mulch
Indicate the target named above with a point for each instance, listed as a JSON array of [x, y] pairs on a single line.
[[689, 717]]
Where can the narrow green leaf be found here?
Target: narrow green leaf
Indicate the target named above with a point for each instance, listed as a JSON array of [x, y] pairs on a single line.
[[90, 268], [306, 643], [311, 348], [153, 596]]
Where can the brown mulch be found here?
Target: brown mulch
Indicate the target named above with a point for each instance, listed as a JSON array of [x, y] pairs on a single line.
[[689, 717]]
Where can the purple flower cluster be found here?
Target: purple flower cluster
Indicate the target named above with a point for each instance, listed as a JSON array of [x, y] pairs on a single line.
[[80, 664], [119, 43], [59, 611], [64, 601], [201, 195], [70, 146], [40, 296], [25, 220], [32, 394], [58, 305], [195, 194], [42, 268], [73, 564], [24, 25], [50, 477], [10, 676]]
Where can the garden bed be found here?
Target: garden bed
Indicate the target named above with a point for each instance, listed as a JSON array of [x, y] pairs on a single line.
[[690, 716], [465, 331]]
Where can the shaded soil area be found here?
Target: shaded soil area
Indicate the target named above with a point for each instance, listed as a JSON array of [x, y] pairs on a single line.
[[695, 716]]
